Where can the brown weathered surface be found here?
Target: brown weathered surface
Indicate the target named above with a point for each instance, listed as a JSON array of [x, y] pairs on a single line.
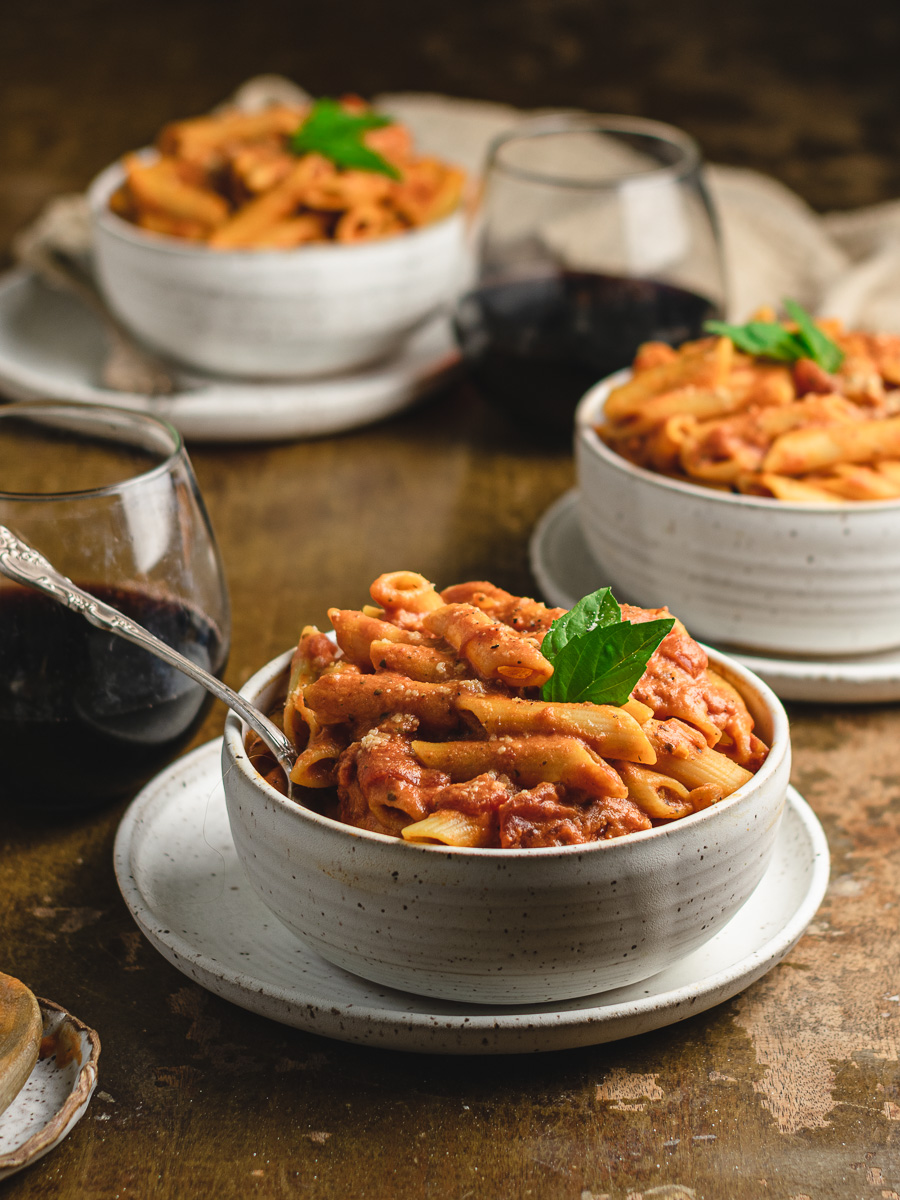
[[789, 1091]]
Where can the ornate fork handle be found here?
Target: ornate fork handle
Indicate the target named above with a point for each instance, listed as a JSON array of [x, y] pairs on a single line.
[[20, 562]]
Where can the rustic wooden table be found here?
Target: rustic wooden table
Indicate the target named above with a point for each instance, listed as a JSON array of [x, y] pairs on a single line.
[[790, 1090]]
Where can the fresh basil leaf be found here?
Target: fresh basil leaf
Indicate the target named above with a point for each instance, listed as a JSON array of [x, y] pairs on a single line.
[[597, 610], [819, 346], [604, 669], [336, 134], [597, 656], [760, 337], [772, 340]]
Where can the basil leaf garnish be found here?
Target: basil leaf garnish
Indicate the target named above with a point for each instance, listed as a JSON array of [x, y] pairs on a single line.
[[336, 134], [771, 340], [597, 656], [820, 348]]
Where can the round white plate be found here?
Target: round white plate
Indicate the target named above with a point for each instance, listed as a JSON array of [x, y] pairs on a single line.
[[56, 1093], [180, 876], [52, 346], [565, 571]]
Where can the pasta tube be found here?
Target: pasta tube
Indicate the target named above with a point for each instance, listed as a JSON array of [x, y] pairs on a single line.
[[365, 700], [404, 592], [610, 731], [451, 828], [659, 796], [356, 631], [493, 649], [526, 760]]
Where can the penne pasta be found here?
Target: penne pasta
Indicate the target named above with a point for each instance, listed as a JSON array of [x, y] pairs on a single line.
[[316, 766], [237, 180], [450, 828], [660, 796], [492, 648], [745, 423], [404, 592], [160, 188], [804, 450], [422, 663], [526, 760], [394, 734], [356, 631], [610, 731]]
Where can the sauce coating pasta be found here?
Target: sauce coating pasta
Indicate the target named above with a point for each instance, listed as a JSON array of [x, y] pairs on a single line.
[[232, 181], [464, 756], [709, 414]]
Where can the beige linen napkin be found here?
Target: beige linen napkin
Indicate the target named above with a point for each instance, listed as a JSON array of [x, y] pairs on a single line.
[[774, 244]]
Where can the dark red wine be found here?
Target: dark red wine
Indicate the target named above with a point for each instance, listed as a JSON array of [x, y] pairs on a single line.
[[86, 717], [535, 346]]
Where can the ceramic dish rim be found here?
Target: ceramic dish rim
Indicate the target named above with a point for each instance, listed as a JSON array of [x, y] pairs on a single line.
[[482, 1017], [46, 1137], [848, 669]]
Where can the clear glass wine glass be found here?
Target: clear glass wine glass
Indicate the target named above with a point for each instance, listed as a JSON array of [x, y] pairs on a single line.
[[109, 496], [596, 234]]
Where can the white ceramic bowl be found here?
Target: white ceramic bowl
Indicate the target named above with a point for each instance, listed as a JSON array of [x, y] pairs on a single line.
[[505, 926], [268, 314], [742, 570]]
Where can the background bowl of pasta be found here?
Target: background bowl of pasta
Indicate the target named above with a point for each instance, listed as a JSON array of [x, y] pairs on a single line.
[[230, 252], [806, 558], [521, 924]]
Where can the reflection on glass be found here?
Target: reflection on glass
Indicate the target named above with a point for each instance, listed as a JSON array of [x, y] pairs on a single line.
[[597, 235]]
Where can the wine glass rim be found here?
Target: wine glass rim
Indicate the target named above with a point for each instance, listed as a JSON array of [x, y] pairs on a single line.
[[111, 412], [568, 123]]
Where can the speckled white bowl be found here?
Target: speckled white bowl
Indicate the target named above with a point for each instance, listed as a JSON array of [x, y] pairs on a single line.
[[742, 570], [269, 314], [505, 926]]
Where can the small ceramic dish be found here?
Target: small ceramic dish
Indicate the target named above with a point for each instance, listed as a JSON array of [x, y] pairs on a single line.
[[742, 570], [55, 1095], [270, 314], [506, 926]]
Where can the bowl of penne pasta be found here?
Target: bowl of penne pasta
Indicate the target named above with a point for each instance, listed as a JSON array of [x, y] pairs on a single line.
[[461, 829], [250, 245], [759, 494]]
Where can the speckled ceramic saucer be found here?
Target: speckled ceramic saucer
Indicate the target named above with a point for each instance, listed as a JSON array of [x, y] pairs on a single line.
[[55, 1095], [181, 879], [52, 345], [565, 571]]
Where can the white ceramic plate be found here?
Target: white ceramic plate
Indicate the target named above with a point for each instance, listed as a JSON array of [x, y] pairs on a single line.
[[52, 346], [565, 571], [55, 1095], [180, 876]]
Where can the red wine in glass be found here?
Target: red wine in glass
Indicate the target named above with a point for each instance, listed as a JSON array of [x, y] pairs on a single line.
[[86, 717], [110, 497], [534, 346], [595, 234]]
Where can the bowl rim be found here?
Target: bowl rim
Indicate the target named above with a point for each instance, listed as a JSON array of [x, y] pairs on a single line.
[[104, 184], [587, 412], [780, 749]]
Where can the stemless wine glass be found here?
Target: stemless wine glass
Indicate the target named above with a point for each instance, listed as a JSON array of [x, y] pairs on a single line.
[[596, 235], [109, 497]]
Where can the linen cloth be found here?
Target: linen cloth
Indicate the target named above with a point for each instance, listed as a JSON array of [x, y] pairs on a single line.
[[844, 265]]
